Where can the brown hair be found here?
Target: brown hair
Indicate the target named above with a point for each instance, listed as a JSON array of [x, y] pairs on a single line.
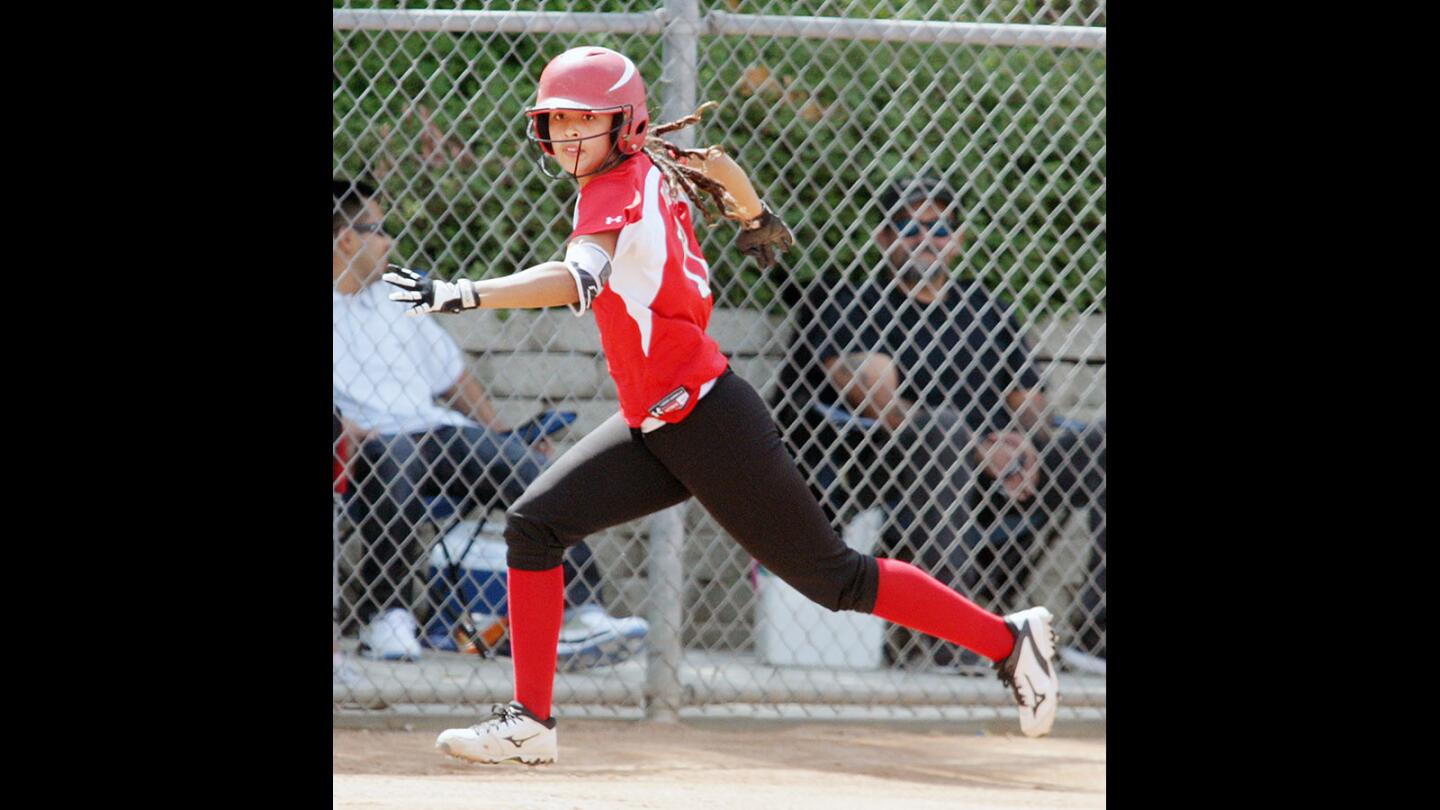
[[709, 195]]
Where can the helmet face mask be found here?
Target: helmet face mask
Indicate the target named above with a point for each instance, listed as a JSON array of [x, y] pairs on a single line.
[[538, 133]]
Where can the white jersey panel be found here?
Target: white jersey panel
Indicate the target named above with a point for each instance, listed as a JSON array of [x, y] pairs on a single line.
[[639, 266]]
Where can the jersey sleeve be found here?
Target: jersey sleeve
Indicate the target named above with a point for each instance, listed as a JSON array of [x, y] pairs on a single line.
[[608, 204]]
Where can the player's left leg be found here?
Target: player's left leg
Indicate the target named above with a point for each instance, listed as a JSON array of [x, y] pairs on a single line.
[[729, 454], [495, 469]]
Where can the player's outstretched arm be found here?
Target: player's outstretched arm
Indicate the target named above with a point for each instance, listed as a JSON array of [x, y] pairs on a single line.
[[548, 284], [574, 282]]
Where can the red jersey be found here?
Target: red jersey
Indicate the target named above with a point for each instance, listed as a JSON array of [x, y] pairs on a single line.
[[653, 311]]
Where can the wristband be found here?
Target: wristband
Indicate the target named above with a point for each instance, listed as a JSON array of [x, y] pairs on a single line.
[[469, 298], [760, 218]]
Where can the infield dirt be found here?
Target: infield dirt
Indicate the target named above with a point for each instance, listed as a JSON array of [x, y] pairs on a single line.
[[718, 765]]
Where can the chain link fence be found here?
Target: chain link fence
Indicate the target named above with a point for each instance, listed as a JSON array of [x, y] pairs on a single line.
[[825, 104]]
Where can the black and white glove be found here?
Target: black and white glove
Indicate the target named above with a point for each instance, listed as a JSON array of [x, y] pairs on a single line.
[[764, 236], [431, 295]]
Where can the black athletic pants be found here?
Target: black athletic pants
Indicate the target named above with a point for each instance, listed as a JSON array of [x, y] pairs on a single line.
[[729, 455]]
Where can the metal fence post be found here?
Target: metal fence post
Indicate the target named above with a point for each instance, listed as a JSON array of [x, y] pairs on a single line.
[[680, 44], [667, 528], [667, 578], [666, 612]]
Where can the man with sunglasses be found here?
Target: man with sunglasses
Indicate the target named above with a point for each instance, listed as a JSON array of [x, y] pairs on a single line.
[[421, 425], [963, 453]]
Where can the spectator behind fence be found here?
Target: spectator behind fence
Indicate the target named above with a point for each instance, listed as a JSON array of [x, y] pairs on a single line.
[[962, 455], [340, 670], [387, 372]]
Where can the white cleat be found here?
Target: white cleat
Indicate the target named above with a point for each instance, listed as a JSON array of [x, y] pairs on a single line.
[[1030, 670], [510, 734]]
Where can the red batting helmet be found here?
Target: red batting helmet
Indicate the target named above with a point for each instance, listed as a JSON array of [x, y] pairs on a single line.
[[597, 80]]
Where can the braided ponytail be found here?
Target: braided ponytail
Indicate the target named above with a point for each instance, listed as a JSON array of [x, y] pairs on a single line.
[[709, 195]]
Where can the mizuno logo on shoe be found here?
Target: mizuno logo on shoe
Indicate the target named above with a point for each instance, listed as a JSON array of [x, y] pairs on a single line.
[[516, 742], [1039, 695]]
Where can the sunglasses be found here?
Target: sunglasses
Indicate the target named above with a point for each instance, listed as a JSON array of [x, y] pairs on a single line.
[[915, 227], [369, 227]]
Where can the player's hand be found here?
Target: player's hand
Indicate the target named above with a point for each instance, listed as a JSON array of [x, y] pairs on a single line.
[[431, 295], [764, 236]]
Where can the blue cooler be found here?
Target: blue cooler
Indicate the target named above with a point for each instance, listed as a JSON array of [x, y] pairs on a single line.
[[481, 586]]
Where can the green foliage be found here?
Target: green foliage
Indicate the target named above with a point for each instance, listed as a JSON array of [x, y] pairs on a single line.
[[820, 126]]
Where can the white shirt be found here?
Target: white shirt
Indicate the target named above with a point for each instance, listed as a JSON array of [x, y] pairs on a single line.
[[388, 367]]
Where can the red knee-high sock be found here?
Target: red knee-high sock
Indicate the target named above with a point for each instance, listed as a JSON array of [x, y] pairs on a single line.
[[537, 609], [911, 597]]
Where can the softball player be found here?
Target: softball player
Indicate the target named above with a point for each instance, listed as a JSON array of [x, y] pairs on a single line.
[[688, 426]]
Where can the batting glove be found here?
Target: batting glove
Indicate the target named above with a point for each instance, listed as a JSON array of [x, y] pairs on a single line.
[[764, 236], [430, 295]]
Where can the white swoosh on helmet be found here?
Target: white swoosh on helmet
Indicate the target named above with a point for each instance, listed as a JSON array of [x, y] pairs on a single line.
[[624, 77]]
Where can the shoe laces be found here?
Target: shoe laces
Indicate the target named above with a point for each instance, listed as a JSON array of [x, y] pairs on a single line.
[[501, 715], [1007, 677]]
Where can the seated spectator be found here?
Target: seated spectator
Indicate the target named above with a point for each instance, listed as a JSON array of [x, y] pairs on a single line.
[[962, 451], [387, 372]]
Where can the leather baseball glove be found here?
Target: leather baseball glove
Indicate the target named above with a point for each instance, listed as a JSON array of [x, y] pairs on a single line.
[[764, 236]]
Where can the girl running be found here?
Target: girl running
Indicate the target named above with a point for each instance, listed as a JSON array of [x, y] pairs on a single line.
[[688, 426]]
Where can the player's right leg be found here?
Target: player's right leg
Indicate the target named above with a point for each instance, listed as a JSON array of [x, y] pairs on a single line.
[[606, 479], [1029, 670]]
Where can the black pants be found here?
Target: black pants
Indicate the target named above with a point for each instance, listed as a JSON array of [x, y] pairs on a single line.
[[729, 455]]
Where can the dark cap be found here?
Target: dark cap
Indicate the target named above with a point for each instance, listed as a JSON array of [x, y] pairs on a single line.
[[910, 189]]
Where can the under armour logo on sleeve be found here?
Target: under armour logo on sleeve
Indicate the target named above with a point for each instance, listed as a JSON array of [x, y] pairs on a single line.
[[614, 220]]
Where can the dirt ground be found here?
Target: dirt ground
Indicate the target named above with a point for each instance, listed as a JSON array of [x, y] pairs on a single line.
[[717, 765]]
